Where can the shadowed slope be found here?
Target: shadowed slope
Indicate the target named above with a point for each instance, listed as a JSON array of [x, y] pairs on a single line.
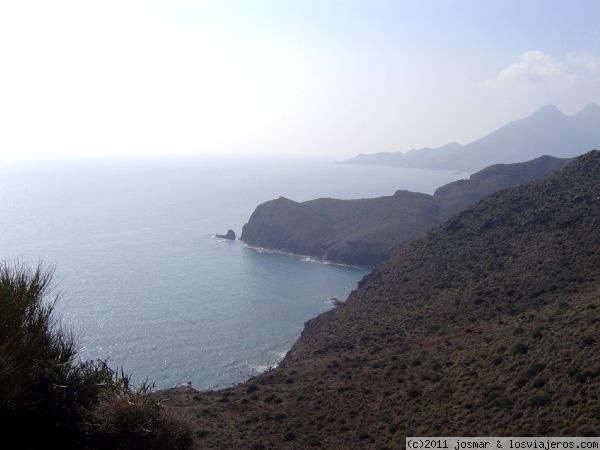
[[487, 325]]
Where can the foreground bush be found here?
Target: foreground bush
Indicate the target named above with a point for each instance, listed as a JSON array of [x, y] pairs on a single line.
[[50, 399], [133, 420]]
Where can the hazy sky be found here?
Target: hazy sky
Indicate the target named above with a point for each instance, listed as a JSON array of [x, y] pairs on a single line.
[[313, 77]]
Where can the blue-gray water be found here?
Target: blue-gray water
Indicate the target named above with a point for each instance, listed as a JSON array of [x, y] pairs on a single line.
[[144, 282]]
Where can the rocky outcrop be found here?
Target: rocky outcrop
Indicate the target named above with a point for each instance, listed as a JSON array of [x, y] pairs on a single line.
[[229, 235], [364, 232]]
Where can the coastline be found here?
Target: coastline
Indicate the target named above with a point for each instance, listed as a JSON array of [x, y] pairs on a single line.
[[304, 258]]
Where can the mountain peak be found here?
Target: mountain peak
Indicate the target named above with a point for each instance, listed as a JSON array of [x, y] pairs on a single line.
[[547, 110], [590, 109], [546, 131]]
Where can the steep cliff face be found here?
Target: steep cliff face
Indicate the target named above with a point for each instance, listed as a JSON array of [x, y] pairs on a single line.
[[364, 232], [361, 232], [288, 226], [487, 325]]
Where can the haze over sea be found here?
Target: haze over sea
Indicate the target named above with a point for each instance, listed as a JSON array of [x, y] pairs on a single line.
[[143, 280]]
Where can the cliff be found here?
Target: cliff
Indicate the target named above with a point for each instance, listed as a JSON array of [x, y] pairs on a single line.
[[364, 232], [486, 325]]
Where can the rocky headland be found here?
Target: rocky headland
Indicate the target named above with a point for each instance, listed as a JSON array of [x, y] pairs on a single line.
[[365, 232]]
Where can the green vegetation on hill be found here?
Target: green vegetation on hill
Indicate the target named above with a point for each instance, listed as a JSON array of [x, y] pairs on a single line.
[[48, 399], [365, 232], [487, 325]]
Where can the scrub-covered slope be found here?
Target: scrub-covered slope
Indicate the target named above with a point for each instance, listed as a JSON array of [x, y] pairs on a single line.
[[487, 325]]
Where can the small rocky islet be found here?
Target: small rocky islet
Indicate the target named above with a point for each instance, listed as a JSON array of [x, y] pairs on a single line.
[[230, 235]]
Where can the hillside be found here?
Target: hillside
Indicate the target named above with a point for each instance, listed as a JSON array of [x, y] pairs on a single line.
[[545, 132], [487, 325], [364, 232]]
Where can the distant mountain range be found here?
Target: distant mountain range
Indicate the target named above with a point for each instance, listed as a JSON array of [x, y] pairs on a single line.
[[365, 231], [545, 132]]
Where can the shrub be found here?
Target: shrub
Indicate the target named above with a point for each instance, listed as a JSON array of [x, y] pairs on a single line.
[[587, 341], [540, 399], [539, 382], [43, 395], [538, 333], [47, 397], [124, 418], [532, 370], [290, 436], [520, 348], [520, 382], [414, 393]]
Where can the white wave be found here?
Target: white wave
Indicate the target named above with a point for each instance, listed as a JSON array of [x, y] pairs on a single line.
[[332, 301], [258, 369], [303, 258], [261, 368]]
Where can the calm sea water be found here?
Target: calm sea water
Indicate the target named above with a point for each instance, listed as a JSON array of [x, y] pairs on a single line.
[[144, 282]]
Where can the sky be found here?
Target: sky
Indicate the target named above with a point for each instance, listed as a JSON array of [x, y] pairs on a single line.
[[322, 78]]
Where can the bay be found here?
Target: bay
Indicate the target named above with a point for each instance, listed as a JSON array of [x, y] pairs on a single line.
[[144, 282]]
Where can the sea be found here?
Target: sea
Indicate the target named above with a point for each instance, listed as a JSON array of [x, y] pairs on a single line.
[[141, 278]]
